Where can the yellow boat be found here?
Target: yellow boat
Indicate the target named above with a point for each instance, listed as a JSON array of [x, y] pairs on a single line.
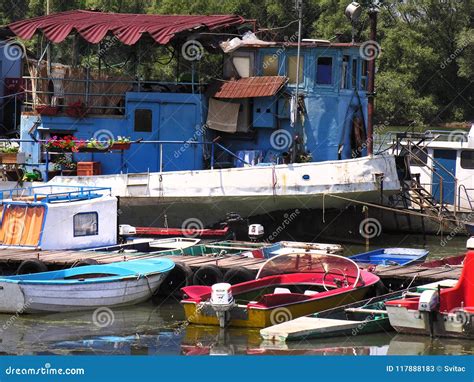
[[286, 287]]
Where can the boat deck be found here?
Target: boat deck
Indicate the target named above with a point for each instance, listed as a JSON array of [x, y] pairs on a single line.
[[69, 258], [396, 276], [417, 274]]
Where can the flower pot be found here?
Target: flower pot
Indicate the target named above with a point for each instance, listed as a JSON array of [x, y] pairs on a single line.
[[12, 158], [47, 110], [68, 172], [120, 146], [76, 110], [93, 149]]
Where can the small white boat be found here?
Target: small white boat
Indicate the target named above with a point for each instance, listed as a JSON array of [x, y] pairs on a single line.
[[174, 243], [83, 288]]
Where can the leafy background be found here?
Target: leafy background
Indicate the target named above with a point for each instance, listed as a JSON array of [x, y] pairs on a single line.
[[425, 71]]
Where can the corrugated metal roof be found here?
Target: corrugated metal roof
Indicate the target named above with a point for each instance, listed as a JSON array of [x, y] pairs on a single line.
[[251, 87], [128, 28]]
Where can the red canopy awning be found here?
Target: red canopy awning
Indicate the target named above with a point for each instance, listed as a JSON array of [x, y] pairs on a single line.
[[250, 87], [93, 26]]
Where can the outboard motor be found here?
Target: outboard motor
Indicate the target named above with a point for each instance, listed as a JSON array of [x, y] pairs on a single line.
[[222, 302], [256, 232], [429, 303], [470, 243]]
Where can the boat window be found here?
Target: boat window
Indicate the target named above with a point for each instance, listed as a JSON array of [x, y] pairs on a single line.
[[86, 224], [292, 61], [419, 157], [270, 65], [242, 65], [143, 120], [364, 79], [354, 74], [467, 159], [345, 72], [324, 71]]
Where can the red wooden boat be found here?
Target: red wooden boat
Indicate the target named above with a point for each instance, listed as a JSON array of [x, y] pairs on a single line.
[[443, 313], [207, 233], [287, 286]]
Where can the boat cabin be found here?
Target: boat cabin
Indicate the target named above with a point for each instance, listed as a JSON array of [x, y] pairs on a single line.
[[444, 163], [245, 113], [58, 217]]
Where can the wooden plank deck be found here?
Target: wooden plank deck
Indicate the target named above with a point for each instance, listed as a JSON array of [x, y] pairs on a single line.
[[69, 258], [420, 273]]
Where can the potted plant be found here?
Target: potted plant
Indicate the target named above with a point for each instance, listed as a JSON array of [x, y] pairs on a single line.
[[10, 154], [64, 165], [68, 143], [121, 143], [94, 145]]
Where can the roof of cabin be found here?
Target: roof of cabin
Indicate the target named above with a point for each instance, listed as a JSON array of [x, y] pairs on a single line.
[[249, 87], [93, 26]]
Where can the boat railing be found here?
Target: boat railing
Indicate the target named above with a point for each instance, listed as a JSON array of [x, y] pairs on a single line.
[[467, 198], [389, 138], [92, 95], [214, 146], [56, 193]]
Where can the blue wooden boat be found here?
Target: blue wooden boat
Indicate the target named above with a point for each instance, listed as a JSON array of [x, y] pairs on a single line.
[[391, 256], [83, 288]]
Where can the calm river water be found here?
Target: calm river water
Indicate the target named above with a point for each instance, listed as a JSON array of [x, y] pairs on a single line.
[[160, 329]]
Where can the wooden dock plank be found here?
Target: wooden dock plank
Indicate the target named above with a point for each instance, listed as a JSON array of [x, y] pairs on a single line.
[[71, 257]]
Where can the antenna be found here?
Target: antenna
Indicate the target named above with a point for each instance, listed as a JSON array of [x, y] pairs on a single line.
[[299, 8]]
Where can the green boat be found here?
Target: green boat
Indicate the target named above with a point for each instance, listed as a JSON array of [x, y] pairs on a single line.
[[362, 317]]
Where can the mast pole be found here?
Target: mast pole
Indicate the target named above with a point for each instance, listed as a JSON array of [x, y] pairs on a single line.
[[299, 8], [48, 47], [371, 83]]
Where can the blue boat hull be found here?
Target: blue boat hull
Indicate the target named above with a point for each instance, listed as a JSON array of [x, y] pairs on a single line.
[[392, 256]]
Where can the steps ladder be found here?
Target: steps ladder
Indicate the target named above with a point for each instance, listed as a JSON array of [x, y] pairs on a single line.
[[138, 184]]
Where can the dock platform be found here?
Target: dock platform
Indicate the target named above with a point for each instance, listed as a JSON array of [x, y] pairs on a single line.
[[393, 276], [69, 258]]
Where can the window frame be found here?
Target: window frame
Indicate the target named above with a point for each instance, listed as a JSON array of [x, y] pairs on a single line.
[[135, 120], [287, 69], [333, 60], [276, 61], [96, 225], [462, 159]]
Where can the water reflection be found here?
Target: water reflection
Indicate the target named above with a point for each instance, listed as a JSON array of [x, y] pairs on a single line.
[[148, 330]]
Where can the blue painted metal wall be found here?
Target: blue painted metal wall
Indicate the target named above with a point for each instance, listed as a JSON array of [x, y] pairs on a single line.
[[329, 109], [175, 117], [326, 131]]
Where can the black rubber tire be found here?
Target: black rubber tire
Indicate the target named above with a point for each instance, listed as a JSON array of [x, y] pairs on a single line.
[[208, 275], [31, 266], [180, 276], [238, 275], [5, 269], [380, 288], [84, 262]]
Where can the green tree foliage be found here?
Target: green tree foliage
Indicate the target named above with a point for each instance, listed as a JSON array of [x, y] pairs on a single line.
[[425, 71]]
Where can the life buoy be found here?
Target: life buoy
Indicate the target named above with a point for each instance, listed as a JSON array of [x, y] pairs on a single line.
[[238, 275], [207, 275], [31, 266], [180, 276]]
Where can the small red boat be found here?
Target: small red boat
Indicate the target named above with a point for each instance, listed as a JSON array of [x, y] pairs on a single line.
[[286, 287], [203, 233], [441, 313]]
